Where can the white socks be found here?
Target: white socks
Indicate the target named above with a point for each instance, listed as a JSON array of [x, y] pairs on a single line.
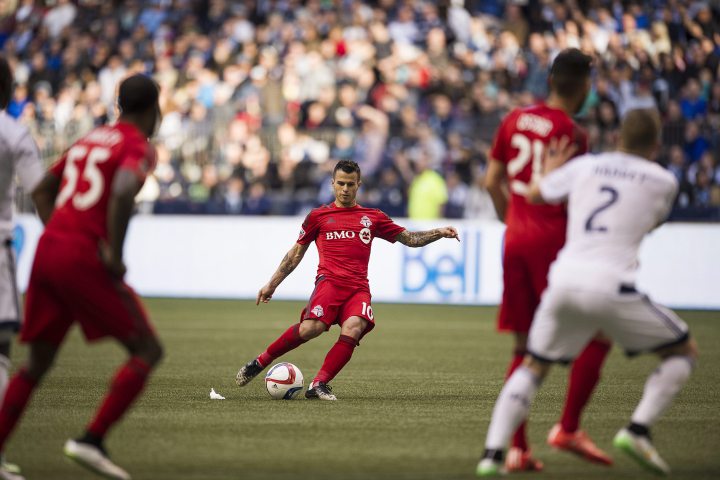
[[660, 389], [4, 375], [511, 407]]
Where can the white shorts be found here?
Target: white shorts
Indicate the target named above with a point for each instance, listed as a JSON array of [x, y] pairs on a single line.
[[567, 319], [9, 298]]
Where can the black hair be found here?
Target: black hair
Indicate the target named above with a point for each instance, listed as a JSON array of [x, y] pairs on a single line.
[[6, 83], [347, 166], [137, 94], [569, 72]]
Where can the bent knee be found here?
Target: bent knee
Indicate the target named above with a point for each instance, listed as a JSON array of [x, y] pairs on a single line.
[[150, 350], [311, 328], [156, 352], [688, 348], [354, 327], [539, 368]]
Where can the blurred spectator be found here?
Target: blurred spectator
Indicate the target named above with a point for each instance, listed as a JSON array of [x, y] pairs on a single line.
[[257, 201], [234, 196], [457, 196], [693, 105], [59, 17], [479, 205], [389, 196], [695, 142], [428, 193]]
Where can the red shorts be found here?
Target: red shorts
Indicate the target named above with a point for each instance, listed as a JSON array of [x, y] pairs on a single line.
[[524, 279], [334, 303], [69, 284]]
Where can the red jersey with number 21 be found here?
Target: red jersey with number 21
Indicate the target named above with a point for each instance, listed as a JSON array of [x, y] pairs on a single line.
[[87, 170], [520, 142], [343, 237]]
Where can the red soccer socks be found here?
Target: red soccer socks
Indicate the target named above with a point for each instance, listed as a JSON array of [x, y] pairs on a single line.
[[289, 340], [584, 375], [124, 389], [16, 398], [338, 356]]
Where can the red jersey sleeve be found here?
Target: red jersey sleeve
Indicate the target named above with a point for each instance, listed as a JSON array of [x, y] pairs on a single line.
[[385, 228], [499, 150], [58, 167], [309, 229], [139, 158]]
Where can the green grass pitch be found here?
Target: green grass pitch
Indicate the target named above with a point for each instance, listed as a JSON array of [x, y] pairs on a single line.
[[414, 403]]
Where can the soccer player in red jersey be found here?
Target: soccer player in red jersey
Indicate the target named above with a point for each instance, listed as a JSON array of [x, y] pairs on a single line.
[[343, 232], [86, 200], [533, 237]]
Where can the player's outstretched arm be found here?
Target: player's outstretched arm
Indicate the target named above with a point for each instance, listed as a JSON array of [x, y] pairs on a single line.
[[287, 265], [44, 196], [420, 239]]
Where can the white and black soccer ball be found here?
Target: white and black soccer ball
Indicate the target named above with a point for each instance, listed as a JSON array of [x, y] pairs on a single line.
[[284, 381]]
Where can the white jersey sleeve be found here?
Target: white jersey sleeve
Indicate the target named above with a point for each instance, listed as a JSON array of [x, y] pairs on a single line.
[[19, 158], [555, 187], [28, 166], [670, 197]]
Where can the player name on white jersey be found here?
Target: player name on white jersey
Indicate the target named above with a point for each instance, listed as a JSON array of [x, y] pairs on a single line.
[[621, 173]]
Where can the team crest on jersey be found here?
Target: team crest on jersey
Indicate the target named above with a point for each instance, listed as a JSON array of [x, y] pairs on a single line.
[[365, 235], [365, 221], [318, 311]]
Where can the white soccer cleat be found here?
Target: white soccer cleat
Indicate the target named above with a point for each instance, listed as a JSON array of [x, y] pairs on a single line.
[[93, 458], [9, 467], [8, 474], [490, 468], [319, 391], [641, 449]]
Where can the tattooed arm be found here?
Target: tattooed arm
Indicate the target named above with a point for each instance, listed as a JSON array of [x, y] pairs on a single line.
[[288, 264], [420, 239]]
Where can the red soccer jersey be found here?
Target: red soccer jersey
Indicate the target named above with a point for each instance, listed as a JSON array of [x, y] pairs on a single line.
[[344, 237], [519, 144], [87, 169]]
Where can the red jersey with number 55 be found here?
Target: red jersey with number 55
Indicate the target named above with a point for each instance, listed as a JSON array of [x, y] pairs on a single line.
[[520, 142], [87, 170], [343, 237]]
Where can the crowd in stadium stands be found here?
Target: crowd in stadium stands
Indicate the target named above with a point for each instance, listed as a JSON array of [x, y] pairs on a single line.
[[261, 98]]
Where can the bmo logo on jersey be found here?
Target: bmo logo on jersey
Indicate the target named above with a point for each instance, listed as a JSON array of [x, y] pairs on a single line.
[[365, 235], [340, 235]]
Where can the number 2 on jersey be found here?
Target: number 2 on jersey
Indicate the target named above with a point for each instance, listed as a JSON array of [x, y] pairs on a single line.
[[527, 150], [614, 195], [90, 173]]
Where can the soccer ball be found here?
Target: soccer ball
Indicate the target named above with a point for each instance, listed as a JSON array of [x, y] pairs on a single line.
[[284, 381]]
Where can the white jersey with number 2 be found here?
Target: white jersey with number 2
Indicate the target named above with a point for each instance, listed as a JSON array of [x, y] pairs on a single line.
[[614, 199]]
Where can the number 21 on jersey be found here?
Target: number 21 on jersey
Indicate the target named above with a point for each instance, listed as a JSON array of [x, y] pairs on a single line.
[[89, 173], [528, 150]]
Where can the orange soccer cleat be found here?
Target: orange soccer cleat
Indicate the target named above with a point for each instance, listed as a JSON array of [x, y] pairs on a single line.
[[578, 443], [518, 460]]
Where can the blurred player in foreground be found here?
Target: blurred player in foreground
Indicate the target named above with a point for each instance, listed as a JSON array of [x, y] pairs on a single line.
[[19, 157], [534, 236], [86, 199], [343, 232], [592, 285]]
